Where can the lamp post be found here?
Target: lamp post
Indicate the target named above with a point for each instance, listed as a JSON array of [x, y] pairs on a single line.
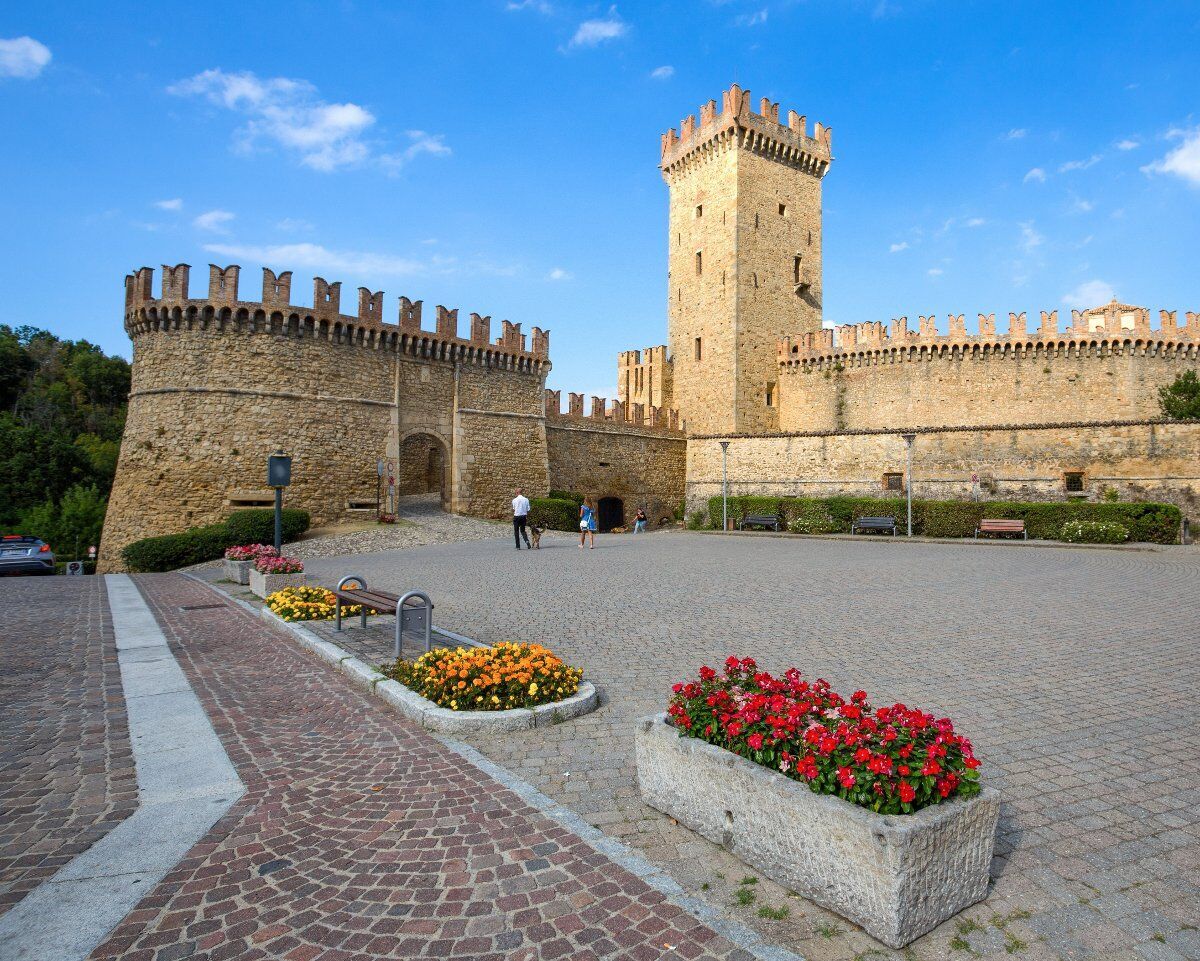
[[908, 444], [279, 475], [724, 485], [379, 467]]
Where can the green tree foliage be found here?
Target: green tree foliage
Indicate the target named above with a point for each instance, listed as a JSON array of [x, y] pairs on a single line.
[[62, 411], [1181, 400]]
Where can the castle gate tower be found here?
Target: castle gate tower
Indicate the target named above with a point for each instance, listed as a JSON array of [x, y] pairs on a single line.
[[745, 257]]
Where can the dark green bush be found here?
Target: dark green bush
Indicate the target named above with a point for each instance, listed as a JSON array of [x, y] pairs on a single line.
[[256, 525], [554, 513], [1155, 523], [171, 551], [1094, 532]]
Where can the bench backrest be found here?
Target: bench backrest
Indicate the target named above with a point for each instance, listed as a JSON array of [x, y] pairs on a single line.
[[762, 517], [1000, 524], [875, 522]]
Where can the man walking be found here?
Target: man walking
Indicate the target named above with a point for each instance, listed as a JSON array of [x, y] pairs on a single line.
[[520, 517]]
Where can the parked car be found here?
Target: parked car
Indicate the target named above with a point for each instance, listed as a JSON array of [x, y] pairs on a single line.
[[22, 554]]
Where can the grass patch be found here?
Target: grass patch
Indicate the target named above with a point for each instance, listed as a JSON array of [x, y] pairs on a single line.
[[744, 896], [749, 879], [828, 930], [773, 914], [1013, 944]]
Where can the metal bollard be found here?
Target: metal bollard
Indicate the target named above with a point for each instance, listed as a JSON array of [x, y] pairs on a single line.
[[416, 617], [337, 604]]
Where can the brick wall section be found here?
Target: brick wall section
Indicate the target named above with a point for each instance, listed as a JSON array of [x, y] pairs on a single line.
[[1144, 461]]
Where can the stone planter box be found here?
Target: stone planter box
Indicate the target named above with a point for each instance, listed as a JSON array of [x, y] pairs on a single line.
[[264, 584], [238, 571], [896, 876], [434, 718]]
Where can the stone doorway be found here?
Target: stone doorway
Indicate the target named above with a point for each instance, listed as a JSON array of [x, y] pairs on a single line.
[[610, 513], [421, 467]]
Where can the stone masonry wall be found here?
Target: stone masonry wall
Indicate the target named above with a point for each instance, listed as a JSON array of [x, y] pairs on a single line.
[[1146, 461]]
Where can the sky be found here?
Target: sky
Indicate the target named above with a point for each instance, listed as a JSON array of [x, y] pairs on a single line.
[[501, 156]]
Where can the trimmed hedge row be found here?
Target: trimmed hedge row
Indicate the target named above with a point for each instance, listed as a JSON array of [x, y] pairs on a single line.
[[196, 545], [1155, 523], [554, 513]]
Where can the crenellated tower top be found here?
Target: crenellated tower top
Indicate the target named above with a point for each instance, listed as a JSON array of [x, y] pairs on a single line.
[[737, 124]]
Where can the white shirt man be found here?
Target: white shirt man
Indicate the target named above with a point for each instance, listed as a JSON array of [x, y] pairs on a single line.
[[520, 516]]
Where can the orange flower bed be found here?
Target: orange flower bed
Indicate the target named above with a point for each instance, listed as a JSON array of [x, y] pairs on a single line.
[[508, 675]]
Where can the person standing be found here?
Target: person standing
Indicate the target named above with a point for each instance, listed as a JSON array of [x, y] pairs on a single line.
[[639, 521], [521, 518], [587, 523]]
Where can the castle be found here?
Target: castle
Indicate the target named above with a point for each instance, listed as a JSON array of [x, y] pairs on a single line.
[[750, 385]]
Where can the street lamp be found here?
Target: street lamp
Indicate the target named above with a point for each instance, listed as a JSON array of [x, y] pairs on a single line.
[[724, 485], [908, 442], [279, 475]]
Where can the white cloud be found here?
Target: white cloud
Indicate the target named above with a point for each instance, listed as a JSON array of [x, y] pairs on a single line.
[[1081, 206], [1030, 238], [591, 33], [294, 225], [213, 221], [1079, 164], [934, 271], [23, 57], [1091, 293], [325, 136], [539, 5], [665, 72], [1036, 175], [1183, 161], [420, 142], [896, 248], [175, 203], [751, 19], [976, 222], [1128, 144], [559, 274], [1017, 133], [316, 257]]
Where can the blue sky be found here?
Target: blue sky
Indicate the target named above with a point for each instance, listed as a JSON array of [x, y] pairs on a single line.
[[501, 156]]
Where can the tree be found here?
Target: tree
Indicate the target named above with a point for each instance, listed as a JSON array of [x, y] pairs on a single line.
[[1181, 400]]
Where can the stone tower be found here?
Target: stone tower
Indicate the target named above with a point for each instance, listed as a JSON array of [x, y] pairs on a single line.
[[745, 257]]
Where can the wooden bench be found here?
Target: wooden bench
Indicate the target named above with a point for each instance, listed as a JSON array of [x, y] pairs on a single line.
[[997, 525], [760, 520], [874, 524], [380, 602]]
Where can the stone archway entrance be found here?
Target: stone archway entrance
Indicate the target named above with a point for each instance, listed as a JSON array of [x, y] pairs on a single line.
[[421, 467], [610, 513]]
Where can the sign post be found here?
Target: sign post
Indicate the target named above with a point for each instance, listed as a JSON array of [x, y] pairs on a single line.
[[279, 476], [724, 485], [908, 442], [391, 474], [379, 466]]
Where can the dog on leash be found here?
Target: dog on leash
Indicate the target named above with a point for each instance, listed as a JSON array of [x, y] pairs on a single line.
[[535, 534]]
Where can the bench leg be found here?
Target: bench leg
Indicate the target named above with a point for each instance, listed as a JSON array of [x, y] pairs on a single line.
[[363, 622], [337, 615]]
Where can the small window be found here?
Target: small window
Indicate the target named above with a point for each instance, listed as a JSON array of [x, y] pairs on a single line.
[[699, 211], [783, 210], [699, 263], [770, 395], [810, 238], [754, 277], [893, 482], [756, 220], [699, 349], [1073, 481], [797, 270]]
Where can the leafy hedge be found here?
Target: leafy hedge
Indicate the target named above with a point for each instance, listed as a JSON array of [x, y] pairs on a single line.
[[1094, 532], [1155, 523], [554, 513], [196, 545]]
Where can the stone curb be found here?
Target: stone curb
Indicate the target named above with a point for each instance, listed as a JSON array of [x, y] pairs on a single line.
[[425, 712], [961, 541], [616, 851]]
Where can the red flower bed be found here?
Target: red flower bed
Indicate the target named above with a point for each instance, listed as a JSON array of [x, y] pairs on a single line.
[[894, 760]]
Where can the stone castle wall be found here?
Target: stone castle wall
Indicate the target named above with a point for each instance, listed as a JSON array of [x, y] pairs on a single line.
[[1142, 460], [869, 378]]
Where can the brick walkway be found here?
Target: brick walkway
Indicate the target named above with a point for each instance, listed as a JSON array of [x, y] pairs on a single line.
[[1075, 673], [362, 837], [66, 769]]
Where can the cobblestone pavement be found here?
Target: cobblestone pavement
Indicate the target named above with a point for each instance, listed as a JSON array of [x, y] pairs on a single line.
[[66, 768], [1074, 672], [360, 836]]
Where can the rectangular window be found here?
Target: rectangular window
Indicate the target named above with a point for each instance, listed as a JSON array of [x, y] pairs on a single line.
[[1073, 481], [699, 349], [699, 263], [770, 395], [797, 270], [893, 482], [699, 211], [783, 210]]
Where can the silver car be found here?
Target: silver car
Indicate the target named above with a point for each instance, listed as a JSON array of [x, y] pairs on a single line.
[[22, 554]]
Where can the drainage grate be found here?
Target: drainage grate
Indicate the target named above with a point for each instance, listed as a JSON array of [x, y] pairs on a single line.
[[199, 607]]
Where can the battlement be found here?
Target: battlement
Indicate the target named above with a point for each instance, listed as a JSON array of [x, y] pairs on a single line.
[[276, 313], [1112, 326], [611, 412], [736, 124]]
